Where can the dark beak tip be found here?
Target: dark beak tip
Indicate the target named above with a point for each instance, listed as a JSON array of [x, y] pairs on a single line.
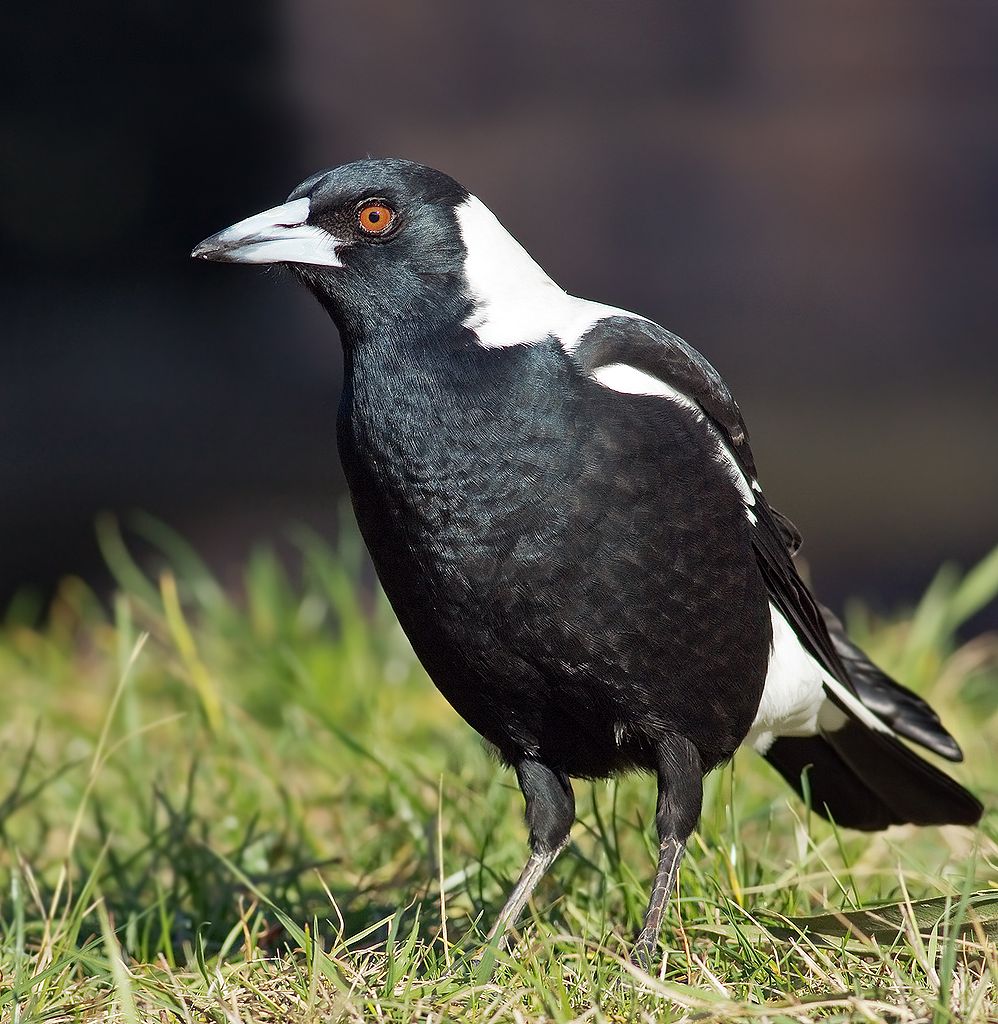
[[205, 250]]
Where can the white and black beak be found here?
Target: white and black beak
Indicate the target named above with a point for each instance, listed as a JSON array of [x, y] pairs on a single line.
[[280, 235]]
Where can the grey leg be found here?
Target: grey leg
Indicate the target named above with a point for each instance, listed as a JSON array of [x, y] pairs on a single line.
[[680, 795], [550, 811]]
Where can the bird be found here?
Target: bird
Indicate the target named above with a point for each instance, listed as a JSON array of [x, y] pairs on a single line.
[[562, 505]]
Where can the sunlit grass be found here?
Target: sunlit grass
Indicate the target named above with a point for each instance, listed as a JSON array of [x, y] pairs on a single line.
[[259, 809]]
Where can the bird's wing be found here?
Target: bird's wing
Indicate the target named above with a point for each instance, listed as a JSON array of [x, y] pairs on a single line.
[[622, 344], [866, 777], [650, 349]]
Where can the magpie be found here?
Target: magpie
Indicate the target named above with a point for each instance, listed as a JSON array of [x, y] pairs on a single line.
[[562, 505]]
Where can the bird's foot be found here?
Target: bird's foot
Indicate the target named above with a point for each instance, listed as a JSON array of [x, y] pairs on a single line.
[[644, 953]]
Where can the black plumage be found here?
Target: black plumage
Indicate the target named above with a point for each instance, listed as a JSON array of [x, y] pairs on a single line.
[[563, 507], [499, 590]]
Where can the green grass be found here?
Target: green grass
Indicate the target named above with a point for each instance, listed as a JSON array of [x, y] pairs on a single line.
[[259, 809]]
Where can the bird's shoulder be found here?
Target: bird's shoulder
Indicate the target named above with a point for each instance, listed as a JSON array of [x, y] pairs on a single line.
[[629, 353]]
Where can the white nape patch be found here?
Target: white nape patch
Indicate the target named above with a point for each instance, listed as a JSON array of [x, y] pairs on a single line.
[[632, 381], [279, 235], [516, 303], [795, 700]]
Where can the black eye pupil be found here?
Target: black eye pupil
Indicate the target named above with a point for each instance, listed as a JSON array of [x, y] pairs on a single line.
[[374, 216]]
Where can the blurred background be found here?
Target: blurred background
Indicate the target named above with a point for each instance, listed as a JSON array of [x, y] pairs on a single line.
[[818, 188]]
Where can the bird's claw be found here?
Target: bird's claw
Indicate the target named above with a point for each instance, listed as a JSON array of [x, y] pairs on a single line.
[[643, 954]]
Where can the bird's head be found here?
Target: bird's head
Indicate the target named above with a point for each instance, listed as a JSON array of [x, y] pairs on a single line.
[[388, 243]]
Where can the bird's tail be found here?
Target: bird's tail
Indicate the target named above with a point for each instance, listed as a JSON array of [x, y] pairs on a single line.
[[868, 779], [865, 779], [895, 705]]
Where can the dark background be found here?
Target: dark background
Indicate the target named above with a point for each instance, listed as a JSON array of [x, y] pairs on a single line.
[[806, 192]]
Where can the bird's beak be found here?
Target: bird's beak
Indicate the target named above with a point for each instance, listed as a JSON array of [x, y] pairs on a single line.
[[280, 235]]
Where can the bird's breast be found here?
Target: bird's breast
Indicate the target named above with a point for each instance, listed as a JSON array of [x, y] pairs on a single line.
[[557, 553]]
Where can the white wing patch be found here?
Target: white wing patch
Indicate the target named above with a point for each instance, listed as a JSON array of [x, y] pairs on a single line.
[[515, 302], [631, 381], [795, 700]]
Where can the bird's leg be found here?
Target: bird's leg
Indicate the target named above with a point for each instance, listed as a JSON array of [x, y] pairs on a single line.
[[550, 811], [680, 795]]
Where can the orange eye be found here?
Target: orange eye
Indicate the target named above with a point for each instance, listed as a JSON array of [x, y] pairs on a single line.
[[375, 218]]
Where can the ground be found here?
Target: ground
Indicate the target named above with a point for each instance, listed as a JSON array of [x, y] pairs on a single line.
[[257, 808]]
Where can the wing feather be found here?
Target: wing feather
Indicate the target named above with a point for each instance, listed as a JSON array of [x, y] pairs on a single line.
[[655, 351]]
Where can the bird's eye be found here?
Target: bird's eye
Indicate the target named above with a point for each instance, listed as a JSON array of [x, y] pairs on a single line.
[[375, 218]]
